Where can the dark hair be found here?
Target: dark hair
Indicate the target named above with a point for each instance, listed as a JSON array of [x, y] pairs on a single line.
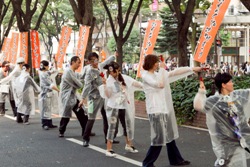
[[220, 79], [74, 59], [4, 63], [149, 61], [113, 66], [44, 64], [92, 54], [26, 67]]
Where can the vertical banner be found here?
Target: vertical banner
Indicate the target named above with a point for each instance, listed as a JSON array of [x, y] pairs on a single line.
[[24, 46], [63, 43], [13, 47], [35, 49], [148, 42], [82, 44], [212, 24], [103, 55], [5, 49]]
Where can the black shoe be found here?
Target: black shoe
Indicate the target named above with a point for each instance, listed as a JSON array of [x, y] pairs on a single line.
[[61, 135], [185, 162], [92, 134], [53, 126], [46, 128], [116, 142], [85, 143]]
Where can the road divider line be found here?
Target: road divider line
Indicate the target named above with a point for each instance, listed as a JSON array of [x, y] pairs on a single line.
[[10, 117], [98, 149]]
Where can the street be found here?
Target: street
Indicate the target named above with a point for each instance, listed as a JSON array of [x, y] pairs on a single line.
[[31, 146]]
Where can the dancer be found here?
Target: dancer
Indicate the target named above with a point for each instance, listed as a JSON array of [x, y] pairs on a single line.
[[45, 98], [67, 97], [13, 72], [227, 116], [160, 109], [25, 88], [91, 83], [116, 93]]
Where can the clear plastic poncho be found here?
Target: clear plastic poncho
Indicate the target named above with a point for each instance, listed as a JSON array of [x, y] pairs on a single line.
[[227, 120]]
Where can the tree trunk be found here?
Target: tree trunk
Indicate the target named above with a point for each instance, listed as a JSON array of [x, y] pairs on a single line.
[[182, 47]]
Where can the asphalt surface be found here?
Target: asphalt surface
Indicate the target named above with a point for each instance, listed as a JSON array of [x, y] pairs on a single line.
[[31, 146]]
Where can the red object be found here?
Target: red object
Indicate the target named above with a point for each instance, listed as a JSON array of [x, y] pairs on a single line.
[[205, 69], [201, 79], [101, 75], [161, 58]]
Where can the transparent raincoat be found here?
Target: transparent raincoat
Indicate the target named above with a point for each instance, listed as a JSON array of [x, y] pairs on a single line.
[[25, 98], [227, 120], [159, 103]]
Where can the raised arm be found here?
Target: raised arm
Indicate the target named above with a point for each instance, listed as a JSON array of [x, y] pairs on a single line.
[[182, 72]]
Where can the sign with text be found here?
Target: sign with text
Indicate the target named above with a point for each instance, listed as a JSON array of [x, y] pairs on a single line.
[[35, 49], [82, 44], [13, 47], [63, 44], [24, 46], [150, 37], [212, 24]]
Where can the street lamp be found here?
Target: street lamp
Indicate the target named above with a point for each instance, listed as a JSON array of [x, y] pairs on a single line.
[[236, 35]]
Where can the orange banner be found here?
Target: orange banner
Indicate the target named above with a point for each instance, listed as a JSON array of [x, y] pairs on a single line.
[[212, 24], [63, 43], [24, 45], [149, 42], [103, 55], [13, 47], [35, 49], [82, 44], [5, 49]]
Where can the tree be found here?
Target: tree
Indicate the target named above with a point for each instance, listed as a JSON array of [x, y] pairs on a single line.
[[4, 7], [131, 47], [24, 14], [246, 3], [124, 14], [83, 13], [184, 15], [167, 38], [58, 13]]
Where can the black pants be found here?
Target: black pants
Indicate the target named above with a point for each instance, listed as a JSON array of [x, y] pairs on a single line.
[[121, 117], [90, 123], [80, 115], [2, 108], [174, 155], [19, 118], [14, 108]]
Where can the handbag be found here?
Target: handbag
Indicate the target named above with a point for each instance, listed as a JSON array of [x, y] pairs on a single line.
[[4, 88]]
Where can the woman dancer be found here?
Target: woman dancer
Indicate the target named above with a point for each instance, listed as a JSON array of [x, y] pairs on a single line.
[[160, 109], [115, 91], [227, 115], [46, 95]]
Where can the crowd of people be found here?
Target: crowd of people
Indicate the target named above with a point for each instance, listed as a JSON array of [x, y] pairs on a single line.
[[111, 93]]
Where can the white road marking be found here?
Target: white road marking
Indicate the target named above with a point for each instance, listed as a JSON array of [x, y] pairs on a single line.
[[120, 157], [10, 117]]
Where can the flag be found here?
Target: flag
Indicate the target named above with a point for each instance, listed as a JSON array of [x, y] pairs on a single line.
[[150, 37], [212, 24]]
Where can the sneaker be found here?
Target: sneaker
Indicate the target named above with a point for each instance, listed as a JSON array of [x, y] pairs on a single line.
[[46, 128], [61, 135], [131, 149], [26, 123], [110, 153], [85, 143]]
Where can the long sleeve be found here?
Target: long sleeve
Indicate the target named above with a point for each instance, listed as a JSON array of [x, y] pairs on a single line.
[[200, 100], [72, 80], [87, 85], [179, 73], [14, 73], [107, 61]]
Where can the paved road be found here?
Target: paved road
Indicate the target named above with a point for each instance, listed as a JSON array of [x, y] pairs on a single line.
[[31, 146]]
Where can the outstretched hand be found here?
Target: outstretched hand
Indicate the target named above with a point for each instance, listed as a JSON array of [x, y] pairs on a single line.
[[202, 86], [197, 69]]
